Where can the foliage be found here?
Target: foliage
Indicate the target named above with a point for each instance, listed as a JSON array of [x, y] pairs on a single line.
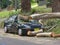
[[4, 3], [33, 1], [49, 3], [17, 3]]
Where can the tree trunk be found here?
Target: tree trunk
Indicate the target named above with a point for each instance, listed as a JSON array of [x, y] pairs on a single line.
[[46, 16], [10, 7], [56, 6], [44, 34], [25, 6]]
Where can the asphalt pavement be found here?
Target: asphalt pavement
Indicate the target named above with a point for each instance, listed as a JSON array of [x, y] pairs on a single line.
[[11, 41]]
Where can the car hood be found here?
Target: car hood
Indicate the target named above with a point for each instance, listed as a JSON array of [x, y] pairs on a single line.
[[34, 25]]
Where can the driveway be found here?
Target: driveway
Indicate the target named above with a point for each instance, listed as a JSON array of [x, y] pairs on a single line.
[[14, 39]]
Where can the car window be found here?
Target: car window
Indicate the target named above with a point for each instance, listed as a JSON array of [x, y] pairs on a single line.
[[21, 21], [12, 18]]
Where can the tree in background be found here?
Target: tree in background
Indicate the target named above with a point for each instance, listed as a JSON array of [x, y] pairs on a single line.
[[16, 4], [25, 6], [56, 6]]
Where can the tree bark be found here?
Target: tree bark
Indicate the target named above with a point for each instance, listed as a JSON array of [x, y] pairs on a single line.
[[25, 6], [46, 16], [56, 6]]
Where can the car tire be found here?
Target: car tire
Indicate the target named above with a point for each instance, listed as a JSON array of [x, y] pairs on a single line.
[[5, 29], [22, 32]]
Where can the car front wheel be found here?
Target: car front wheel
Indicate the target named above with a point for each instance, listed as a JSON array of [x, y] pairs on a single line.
[[5, 29], [22, 32]]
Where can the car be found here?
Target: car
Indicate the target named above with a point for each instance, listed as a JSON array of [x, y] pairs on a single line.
[[19, 26]]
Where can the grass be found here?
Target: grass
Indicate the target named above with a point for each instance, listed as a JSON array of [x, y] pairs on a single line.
[[1, 24], [4, 14], [56, 30], [42, 9], [51, 22]]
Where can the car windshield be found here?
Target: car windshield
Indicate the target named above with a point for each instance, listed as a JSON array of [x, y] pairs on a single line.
[[21, 21], [27, 21], [30, 21], [12, 18]]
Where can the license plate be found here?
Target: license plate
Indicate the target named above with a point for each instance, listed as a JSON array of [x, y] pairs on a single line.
[[36, 29]]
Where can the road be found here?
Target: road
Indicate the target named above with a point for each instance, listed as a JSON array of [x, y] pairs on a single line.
[[14, 39], [11, 41]]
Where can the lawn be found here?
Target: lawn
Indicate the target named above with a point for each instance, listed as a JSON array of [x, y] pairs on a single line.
[[6, 13]]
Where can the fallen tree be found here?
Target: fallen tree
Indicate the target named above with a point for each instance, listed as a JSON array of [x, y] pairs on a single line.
[[47, 34], [46, 16], [33, 33], [40, 16], [44, 34]]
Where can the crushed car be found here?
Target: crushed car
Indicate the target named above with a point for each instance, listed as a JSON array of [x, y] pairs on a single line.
[[19, 26]]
